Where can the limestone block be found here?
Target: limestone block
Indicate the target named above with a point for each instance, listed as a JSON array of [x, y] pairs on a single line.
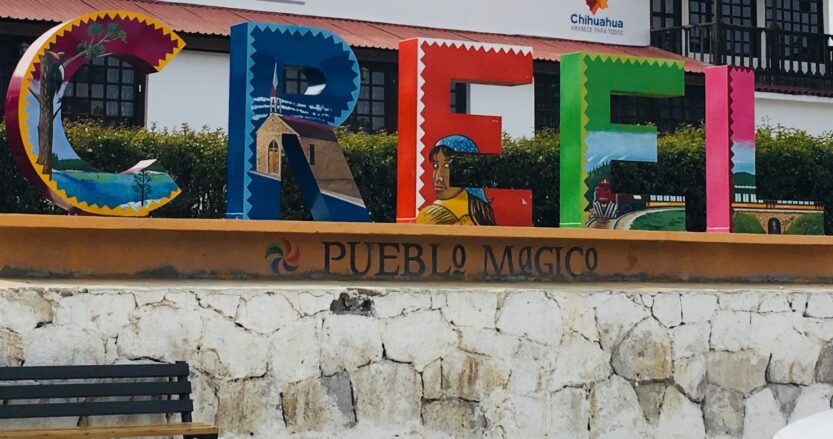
[[387, 394], [533, 315], [615, 411], [225, 304], [106, 313], [740, 301], [527, 415], [453, 418], [698, 307], [488, 342], [766, 329], [432, 378], [11, 349], [690, 339], [645, 353], [471, 377], [793, 360], [690, 375], [397, 303], [161, 332], [786, 395], [763, 415], [820, 305], [615, 318], [418, 338], [813, 399], [579, 315], [350, 341], [204, 395], [774, 302], [650, 398], [798, 303], [820, 330], [183, 299], [530, 367], [824, 367], [266, 313], [741, 371], [471, 309], [579, 362], [62, 345], [569, 413], [680, 418], [723, 412], [319, 404], [731, 331], [231, 351], [295, 351], [312, 302], [250, 408], [22, 311], [668, 309]]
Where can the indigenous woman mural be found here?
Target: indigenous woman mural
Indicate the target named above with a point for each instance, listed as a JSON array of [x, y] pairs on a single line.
[[454, 205]]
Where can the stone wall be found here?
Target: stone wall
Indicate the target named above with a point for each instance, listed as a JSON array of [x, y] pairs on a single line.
[[498, 361]]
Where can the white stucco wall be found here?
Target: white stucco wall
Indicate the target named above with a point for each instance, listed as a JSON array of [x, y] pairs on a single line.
[[515, 105], [810, 113], [192, 89], [547, 18]]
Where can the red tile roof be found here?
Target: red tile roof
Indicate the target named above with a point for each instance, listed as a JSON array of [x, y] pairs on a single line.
[[212, 20]]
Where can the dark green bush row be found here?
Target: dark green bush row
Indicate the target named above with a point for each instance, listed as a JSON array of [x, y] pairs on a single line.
[[791, 165]]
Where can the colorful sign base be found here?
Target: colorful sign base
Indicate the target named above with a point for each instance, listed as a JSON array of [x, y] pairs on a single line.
[[90, 247]]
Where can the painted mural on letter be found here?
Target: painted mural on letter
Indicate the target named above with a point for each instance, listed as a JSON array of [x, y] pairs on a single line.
[[290, 87], [590, 143], [430, 136], [33, 113]]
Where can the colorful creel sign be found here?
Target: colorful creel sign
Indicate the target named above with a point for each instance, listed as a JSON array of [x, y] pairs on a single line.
[[34, 107], [731, 184], [270, 127], [266, 123], [430, 135], [590, 143]]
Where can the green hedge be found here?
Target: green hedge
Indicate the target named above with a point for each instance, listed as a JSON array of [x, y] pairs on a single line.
[[791, 165]]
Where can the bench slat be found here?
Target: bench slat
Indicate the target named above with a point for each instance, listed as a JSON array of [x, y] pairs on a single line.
[[41, 391], [108, 432], [92, 372], [16, 411]]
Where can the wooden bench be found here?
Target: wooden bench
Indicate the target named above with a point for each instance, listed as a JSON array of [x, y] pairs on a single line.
[[133, 389]]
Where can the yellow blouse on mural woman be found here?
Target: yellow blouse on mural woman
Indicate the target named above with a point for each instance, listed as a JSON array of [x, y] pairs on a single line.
[[454, 210]]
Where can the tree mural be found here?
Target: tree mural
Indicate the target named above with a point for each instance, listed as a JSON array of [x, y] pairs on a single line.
[[52, 82]]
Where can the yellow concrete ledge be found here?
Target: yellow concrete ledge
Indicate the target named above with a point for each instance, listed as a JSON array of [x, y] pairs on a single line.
[[94, 247]]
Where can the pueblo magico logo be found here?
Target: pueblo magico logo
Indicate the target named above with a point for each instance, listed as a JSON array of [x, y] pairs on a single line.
[[595, 5]]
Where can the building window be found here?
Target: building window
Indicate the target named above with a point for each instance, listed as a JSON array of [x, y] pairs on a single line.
[[376, 108], [547, 101], [294, 81], [739, 42], [107, 89], [795, 15], [737, 12], [459, 97], [665, 13], [667, 114], [11, 48]]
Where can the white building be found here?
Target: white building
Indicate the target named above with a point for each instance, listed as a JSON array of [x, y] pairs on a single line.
[[794, 69]]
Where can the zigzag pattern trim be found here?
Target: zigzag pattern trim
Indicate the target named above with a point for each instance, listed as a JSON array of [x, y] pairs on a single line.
[[436, 42]]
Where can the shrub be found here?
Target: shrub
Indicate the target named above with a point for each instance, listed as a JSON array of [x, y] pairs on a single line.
[[791, 165]]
